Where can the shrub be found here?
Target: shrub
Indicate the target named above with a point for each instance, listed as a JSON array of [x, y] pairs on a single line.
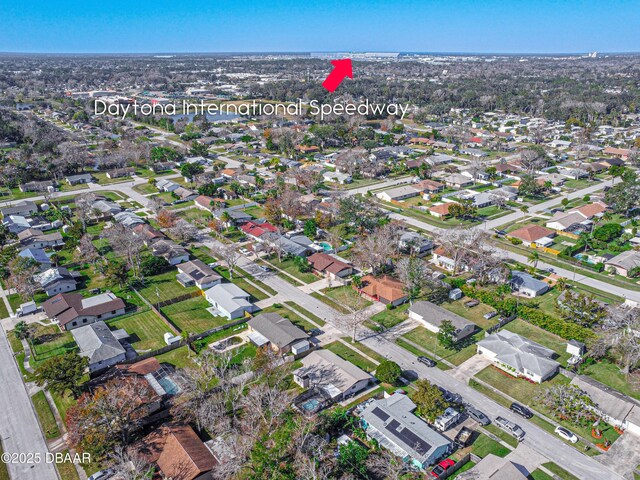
[[516, 241], [388, 372], [608, 232]]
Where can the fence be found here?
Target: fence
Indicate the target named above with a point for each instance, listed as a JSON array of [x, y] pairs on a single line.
[[459, 464], [181, 298], [500, 324]]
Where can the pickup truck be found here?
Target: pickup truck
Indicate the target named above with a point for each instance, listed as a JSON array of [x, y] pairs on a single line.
[[511, 428]]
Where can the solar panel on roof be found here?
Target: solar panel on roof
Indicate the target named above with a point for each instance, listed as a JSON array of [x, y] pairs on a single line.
[[382, 415], [409, 438]]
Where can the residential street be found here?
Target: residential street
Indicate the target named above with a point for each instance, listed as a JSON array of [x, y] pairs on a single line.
[[19, 428]]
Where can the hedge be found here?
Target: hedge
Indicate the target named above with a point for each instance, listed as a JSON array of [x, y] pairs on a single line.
[[534, 316]]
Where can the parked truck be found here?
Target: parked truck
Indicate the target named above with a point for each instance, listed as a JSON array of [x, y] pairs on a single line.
[[463, 437]]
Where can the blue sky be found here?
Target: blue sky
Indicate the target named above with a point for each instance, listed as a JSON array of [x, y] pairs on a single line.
[[518, 26]]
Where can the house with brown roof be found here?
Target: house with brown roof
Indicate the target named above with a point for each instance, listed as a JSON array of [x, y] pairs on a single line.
[[121, 172], [329, 266], [385, 289], [533, 235], [177, 451], [196, 272], [622, 153], [72, 310], [147, 233], [428, 186], [441, 210]]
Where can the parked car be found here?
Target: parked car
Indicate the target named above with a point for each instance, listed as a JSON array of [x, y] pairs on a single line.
[[244, 251], [490, 315], [510, 427], [442, 467], [264, 268], [102, 474], [477, 415], [450, 396], [427, 361], [521, 410], [566, 434]]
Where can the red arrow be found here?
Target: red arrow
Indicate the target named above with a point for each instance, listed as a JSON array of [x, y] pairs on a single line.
[[342, 68]]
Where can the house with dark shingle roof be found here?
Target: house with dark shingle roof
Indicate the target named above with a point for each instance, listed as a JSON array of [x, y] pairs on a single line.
[[100, 345], [431, 317], [72, 310], [528, 285], [278, 332]]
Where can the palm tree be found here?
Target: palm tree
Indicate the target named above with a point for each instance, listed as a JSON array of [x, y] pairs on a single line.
[[534, 257], [562, 284]]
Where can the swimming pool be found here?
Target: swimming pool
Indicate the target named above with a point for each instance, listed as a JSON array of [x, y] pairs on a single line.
[[325, 246], [169, 385], [311, 405], [584, 258]]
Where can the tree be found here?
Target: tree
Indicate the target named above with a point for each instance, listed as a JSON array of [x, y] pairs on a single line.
[[110, 415], [582, 309], [310, 228], [21, 278], [22, 330], [166, 218], [198, 149], [228, 254], [190, 170], [429, 400], [620, 339], [62, 373], [533, 258], [87, 250], [117, 273], [302, 263], [414, 273], [568, 402], [388, 372], [608, 232], [153, 266], [352, 458], [447, 335], [183, 231], [524, 209]]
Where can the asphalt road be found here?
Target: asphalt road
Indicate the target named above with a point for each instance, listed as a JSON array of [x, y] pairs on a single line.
[[19, 427]]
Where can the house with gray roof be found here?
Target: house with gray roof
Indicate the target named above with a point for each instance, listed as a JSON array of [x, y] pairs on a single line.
[[415, 243], [100, 345], [431, 317], [398, 193], [230, 300], [24, 209], [393, 425], [78, 179], [335, 377], [38, 255], [526, 284], [625, 262], [57, 280], [519, 356], [277, 332], [196, 272]]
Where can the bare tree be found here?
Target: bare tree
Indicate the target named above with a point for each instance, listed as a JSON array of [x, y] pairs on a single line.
[[126, 245], [183, 231], [21, 278], [228, 254]]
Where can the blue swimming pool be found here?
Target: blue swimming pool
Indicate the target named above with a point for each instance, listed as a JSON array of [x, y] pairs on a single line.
[[325, 246], [169, 385], [311, 405]]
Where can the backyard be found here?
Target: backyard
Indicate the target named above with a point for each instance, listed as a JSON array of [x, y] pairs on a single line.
[[145, 330], [48, 342], [192, 315], [349, 355], [160, 288]]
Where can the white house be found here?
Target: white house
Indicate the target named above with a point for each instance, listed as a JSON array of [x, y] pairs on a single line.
[[230, 300]]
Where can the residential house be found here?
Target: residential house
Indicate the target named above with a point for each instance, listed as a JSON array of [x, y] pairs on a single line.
[[178, 453], [335, 377], [256, 230], [162, 167], [165, 185], [196, 272], [170, 251], [457, 180], [413, 242], [184, 194], [385, 289], [493, 467], [57, 280], [398, 193], [37, 186], [100, 345], [128, 219], [72, 310], [147, 233], [329, 266], [392, 423], [230, 300], [38, 255], [428, 187], [580, 215], [16, 223], [528, 285], [615, 408], [104, 209], [441, 210], [534, 235], [25, 209], [121, 172], [34, 238], [208, 203], [519, 356], [431, 317], [443, 260], [79, 179], [625, 263], [336, 177], [277, 332]]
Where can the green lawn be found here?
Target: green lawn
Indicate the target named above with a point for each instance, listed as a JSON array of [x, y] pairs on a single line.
[[475, 314], [145, 328], [196, 215], [296, 319], [291, 268], [67, 470], [192, 315], [538, 474], [388, 318], [16, 344], [484, 445], [327, 301], [48, 341], [242, 279], [560, 472], [366, 350], [45, 415], [202, 253], [345, 352], [348, 297], [305, 312], [163, 287], [537, 334], [4, 313], [429, 340], [145, 188], [502, 435], [609, 374], [63, 403], [180, 358]]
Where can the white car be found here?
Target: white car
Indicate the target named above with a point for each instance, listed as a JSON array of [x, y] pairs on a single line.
[[566, 434], [244, 251]]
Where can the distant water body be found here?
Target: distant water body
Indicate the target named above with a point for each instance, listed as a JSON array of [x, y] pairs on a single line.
[[212, 117]]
